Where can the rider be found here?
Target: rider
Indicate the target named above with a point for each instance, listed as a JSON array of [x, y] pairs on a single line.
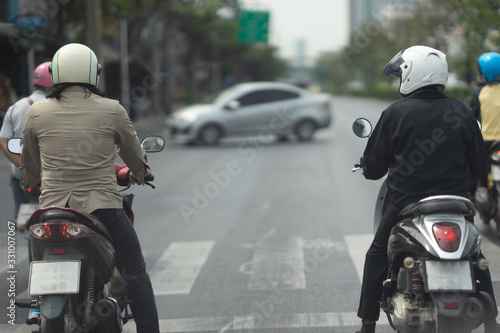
[[428, 144], [486, 99], [13, 128], [70, 139], [485, 103]]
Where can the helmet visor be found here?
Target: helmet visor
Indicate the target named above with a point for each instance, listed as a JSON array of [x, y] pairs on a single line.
[[393, 67]]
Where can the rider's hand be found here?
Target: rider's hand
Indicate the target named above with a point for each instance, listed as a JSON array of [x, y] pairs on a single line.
[[133, 180]]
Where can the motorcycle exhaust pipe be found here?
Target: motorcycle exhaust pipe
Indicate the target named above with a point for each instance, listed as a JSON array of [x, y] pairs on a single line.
[[108, 318]]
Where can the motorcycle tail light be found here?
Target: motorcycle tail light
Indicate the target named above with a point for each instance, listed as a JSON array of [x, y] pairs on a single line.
[[41, 231], [451, 305], [58, 251], [56, 231], [447, 236]]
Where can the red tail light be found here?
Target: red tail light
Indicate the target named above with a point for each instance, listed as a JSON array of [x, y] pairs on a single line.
[[447, 235]]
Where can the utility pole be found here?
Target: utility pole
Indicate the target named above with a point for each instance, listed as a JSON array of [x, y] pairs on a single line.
[[124, 71], [93, 13]]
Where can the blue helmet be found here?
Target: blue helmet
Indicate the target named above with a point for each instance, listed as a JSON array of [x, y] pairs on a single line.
[[489, 66]]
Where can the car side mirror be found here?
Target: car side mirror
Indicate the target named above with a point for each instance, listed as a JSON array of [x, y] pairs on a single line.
[[14, 145], [232, 105]]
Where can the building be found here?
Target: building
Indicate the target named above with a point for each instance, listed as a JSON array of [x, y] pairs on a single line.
[[363, 11]]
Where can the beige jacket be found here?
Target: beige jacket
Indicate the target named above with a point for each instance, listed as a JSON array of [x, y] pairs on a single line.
[[71, 144]]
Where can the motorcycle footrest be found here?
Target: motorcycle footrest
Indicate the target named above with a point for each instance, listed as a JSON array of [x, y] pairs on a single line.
[[23, 303]]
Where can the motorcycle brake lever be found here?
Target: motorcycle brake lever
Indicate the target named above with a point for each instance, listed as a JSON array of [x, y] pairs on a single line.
[[152, 186]]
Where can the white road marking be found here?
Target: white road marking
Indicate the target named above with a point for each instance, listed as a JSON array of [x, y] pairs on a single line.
[[357, 245], [278, 263], [177, 269], [275, 321]]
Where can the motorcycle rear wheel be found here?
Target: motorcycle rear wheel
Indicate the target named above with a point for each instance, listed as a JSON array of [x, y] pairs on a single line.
[[55, 325]]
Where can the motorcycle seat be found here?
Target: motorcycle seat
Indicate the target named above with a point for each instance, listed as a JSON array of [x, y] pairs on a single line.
[[57, 215], [438, 205]]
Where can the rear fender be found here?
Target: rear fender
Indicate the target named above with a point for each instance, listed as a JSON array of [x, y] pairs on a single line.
[[52, 305]]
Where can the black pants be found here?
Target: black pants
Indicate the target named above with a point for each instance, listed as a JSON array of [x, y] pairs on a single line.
[[130, 262], [377, 266]]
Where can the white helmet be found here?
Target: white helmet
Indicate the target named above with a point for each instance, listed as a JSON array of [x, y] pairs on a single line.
[[417, 67], [75, 63]]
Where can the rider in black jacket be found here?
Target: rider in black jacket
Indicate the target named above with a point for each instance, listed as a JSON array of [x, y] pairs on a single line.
[[428, 144]]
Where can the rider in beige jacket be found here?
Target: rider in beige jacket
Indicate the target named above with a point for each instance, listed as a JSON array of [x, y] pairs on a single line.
[[70, 140]]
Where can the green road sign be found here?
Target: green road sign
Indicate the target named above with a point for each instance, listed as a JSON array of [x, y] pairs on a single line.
[[253, 26]]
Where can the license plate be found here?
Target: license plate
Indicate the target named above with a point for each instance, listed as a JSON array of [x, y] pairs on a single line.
[[25, 212], [495, 172], [448, 276], [54, 277]]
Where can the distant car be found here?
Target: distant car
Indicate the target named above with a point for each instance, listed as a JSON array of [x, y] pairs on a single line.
[[253, 108]]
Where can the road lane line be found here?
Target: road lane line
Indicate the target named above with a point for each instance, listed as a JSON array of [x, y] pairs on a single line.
[[278, 263], [245, 323], [177, 269], [240, 323], [357, 245]]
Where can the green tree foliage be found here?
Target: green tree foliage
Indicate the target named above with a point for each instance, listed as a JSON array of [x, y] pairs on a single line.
[[461, 28], [478, 22], [208, 38]]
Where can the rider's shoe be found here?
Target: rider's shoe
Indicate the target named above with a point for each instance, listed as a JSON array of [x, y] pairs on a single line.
[[367, 328]]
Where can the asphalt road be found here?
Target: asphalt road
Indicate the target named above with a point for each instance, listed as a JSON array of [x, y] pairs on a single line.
[[251, 235]]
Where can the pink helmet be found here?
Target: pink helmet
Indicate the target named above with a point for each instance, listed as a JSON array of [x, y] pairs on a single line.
[[41, 76]]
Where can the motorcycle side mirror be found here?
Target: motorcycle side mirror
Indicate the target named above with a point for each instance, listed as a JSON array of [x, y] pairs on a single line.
[[153, 144], [362, 127], [14, 145]]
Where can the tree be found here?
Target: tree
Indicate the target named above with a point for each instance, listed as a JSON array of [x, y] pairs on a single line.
[[478, 22]]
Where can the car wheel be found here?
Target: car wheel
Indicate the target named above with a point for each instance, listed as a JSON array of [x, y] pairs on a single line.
[[210, 134], [305, 130]]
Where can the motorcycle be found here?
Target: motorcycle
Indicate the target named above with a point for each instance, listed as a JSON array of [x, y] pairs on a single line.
[[487, 194], [433, 254], [73, 279]]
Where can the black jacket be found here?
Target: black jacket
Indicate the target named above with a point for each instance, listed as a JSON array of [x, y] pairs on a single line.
[[430, 144]]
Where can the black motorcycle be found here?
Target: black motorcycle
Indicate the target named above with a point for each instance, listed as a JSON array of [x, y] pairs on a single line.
[[434, 257], [487, 194]]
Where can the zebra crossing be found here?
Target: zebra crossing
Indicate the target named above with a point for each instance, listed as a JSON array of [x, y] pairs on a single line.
[[277, 263]]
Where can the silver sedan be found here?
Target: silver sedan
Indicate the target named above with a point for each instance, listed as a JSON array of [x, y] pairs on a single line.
[[263, 108]]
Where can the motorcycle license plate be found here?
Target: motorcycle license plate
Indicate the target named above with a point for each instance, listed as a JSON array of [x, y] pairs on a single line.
[[54, 277], [448, 275], [495, 172]]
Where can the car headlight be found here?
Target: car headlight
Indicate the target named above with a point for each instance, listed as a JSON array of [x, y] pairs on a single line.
[[185, 118]]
